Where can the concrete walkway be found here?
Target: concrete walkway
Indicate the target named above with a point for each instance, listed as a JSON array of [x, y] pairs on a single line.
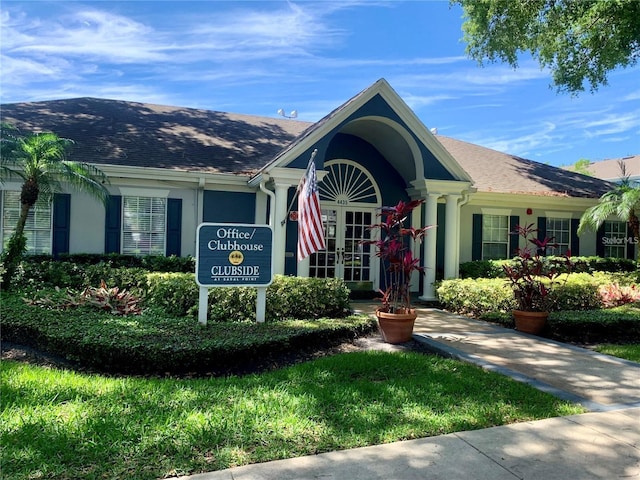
[[603, 444]]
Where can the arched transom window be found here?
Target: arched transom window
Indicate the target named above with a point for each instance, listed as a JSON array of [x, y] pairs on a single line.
[[346, 183]]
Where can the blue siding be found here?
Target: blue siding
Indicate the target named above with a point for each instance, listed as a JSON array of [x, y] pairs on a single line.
[[229, 207], [379, 107], [392, 186]]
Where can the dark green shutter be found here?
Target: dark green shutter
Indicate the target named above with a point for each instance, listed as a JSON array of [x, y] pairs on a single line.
[[174, 226], [542, 231], [113, 224], [575, 240], [61, 223], [514, 238], [600, 241], [476, 237]]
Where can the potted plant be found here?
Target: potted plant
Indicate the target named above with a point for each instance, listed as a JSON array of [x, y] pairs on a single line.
[[396, 316], [532, 277]]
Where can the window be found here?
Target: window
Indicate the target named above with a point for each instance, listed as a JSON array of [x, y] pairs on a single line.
[[615, 239], [39, 222], [558, 229], [144, 222], [495, 237]]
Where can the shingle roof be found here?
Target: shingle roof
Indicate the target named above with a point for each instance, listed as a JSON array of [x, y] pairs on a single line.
[[494, 171], [144, 135], [610, 169]]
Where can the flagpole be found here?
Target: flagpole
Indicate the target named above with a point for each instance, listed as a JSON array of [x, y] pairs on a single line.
[[313, 155]]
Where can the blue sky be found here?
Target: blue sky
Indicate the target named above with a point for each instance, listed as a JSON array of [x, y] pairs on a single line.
[[257, 57]]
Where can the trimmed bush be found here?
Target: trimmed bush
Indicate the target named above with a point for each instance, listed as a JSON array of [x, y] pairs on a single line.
[[158, 344], [476, 296], [174, 293], [80, 271], [493, 268], [619, 324], [482, 269], [295, 297], [479, 297], [580, 292], [287, 297], [130, 278], [153, 263]]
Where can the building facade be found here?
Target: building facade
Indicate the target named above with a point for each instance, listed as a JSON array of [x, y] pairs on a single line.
[[172, 168]]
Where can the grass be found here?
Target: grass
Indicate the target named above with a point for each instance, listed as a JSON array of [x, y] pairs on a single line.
[[628, 352], [58, 424]]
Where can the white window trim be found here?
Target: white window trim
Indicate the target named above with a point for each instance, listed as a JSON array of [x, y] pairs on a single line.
[[562, 215], [496, 211], [143, 192]]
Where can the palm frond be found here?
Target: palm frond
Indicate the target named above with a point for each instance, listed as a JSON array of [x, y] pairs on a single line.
[[85, 178]]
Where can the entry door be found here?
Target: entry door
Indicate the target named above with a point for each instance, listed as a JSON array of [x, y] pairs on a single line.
[[345, 257]]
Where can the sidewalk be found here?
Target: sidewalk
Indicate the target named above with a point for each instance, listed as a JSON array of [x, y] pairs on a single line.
[[604, 444]]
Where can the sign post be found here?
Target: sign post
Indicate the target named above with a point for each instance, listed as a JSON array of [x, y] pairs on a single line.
[[233, 255]]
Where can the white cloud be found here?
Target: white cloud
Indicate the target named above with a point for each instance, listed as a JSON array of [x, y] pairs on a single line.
[[89, 34], [521, 144], [612, 124]]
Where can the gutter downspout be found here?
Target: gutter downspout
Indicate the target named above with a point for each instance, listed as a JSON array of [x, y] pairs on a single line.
[[461, 203], [272, 197]]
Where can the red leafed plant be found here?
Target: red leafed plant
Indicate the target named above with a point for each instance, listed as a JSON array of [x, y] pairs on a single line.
[[394, 248], [111, 299], [532, 275], [105, 298], [613, 295]]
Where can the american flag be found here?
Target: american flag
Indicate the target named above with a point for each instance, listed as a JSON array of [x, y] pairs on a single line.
[[310, 233]]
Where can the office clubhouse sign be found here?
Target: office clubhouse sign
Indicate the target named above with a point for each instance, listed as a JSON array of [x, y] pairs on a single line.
[[231, 255]]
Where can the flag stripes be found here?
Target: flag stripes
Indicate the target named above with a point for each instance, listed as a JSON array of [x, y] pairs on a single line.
[[310, 232]]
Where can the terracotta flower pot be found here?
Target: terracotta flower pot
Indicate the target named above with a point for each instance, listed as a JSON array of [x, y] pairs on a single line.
[[396, 327], [530, 322]]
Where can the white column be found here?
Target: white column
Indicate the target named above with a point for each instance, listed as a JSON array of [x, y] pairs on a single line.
[[450, 235], [431, 218], [279, 229]]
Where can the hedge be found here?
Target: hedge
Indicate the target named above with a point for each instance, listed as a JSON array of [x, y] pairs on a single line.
[[287, 297], [493, 268], [615, 325], [154, 343], [478, 297]]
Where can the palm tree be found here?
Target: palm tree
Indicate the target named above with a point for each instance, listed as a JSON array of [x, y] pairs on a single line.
[[40, 161], [623, 202]]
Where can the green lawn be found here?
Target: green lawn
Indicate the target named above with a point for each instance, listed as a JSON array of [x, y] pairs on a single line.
[[59, 424], [628, 352]]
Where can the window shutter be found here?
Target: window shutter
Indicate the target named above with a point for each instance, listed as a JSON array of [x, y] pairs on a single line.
[[113, 223], [575, 239], [514, 238], [476, 237], [61, 223], [600, 241], [542, 231], [174, 226]]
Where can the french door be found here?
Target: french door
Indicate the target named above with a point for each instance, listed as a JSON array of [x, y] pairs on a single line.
[[345, 256]]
